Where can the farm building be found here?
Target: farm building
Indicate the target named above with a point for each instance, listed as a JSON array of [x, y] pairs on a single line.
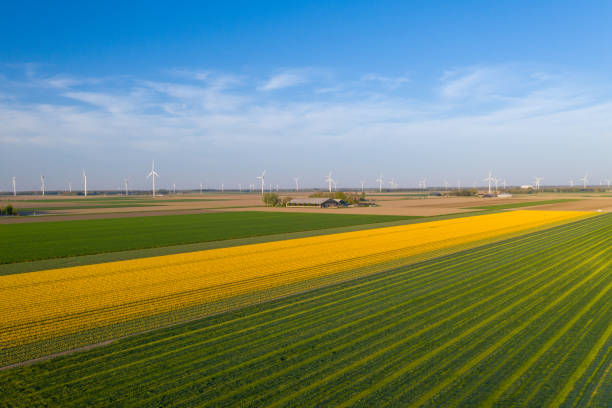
[[321, 202]]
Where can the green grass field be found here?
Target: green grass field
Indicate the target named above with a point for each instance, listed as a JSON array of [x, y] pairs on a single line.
[[522, 322], [523, 204], [45, 240]]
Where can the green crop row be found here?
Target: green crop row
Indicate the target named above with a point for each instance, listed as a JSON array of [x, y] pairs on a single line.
[[523, 204], [522, 322]]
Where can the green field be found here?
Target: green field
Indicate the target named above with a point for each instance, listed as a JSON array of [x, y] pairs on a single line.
[[523, 204], [522, 322], [45, 240]]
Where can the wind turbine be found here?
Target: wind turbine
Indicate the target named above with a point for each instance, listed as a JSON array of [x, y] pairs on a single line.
[[489, 180], [379, 180], [222, 187], [585, 180], [458, 184], [239, 188], [153, 174], [173, 188], [200, 188], [445, 185], [85, 183], [14, 186], [69, 186], [392, 183], [496, 180], [571, 183], [42, 185], [297, 186], [362, 184], [329, 180], [504, 184], [538, 180], [424, 183], [608, 181], [125, 182], [263, 173]]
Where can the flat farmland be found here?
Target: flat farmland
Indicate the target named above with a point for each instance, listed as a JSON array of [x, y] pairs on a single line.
[[519, 322], [56, 239]]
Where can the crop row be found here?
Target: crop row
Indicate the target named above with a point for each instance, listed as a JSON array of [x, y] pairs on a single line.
[[524, 322]]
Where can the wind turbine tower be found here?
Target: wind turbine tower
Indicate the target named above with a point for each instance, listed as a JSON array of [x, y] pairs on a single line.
[[125, 182], [489, 180], [200, 188], [538, 180], [379, 180], [14, 186], [42, 185], [329, 180], [585, 180], [297, 186], [153, 174], [571, 183], [263, 181], [70, 186], [362, 184], [84, 183]]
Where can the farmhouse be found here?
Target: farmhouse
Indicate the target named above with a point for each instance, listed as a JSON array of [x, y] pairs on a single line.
[[321, 202]]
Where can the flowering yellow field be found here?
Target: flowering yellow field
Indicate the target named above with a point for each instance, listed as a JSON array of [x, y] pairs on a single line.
[[46, 304]]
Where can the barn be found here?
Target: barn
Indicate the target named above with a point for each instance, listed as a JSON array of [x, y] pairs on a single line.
[[320, 202]]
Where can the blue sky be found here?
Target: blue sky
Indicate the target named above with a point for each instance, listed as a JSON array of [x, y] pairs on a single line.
[[215, 92]]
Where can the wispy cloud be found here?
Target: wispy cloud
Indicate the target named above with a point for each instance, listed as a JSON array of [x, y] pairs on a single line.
[[390, 82], [284, 79]]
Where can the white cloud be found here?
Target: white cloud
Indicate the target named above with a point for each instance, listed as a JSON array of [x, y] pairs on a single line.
[[284, 80]]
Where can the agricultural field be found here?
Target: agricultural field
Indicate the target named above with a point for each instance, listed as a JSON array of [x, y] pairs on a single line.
[[56, 239], [59, 309], [520, 321]]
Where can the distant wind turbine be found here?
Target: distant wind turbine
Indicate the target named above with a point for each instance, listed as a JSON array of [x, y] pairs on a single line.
[[153, 174], [329, 180], [173, 188], [538, 180], [84, 183], [125, 182], [42, 185], [239, 188], [585, 180], [458, 184], [445, 185], [14, 186], [297, 186], [489, 179], [69, 186], [379, 180], [362, 184], [263, 173], [222, 187], [571, 183], [200, 188]]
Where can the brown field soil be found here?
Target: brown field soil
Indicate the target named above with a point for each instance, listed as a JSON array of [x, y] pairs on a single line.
[[388, 204]]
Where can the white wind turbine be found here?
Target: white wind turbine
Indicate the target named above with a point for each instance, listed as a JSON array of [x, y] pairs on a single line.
[[585, 180], [42, 185], [330, 180], [362, 184], [173, 188], [392, 183], [239, 188], [496, 180], [608, 181], [200, 188], [153, 174], [538, 180], [297, 186], [489, 180], [379, 180], [504, 184], [84, 183], [445, 185], [222, 187], [14, 186], [458, 184], [69, 186], [125, 183], [571, 183], [263, 173]]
